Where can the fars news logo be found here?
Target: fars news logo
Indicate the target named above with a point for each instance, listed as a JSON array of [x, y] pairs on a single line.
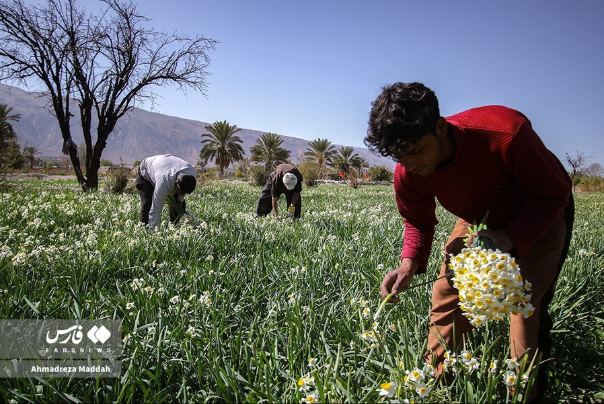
[[75, 335], [55, 339]]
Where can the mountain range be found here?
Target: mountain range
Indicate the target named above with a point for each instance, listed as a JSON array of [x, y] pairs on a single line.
[[138, 134]]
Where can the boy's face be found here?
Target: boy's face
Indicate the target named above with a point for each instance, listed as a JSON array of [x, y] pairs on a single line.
[[424, 156]]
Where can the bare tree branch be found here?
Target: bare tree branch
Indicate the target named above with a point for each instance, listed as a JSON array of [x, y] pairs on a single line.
[[577, 164], [107, 63]]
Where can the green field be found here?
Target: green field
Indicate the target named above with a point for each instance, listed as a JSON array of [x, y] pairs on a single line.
[[236, 308]]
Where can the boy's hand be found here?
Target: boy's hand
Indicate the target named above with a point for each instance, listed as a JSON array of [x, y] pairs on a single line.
[[398, 280], [499, 238]]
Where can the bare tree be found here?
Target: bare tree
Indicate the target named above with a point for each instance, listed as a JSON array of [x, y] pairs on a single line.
[[577, 165], [106, 63]]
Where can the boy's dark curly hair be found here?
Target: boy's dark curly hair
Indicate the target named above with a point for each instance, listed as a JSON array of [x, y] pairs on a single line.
[[400, 116]]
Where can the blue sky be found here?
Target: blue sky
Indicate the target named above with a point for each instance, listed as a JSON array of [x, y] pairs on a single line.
[[311, 69]]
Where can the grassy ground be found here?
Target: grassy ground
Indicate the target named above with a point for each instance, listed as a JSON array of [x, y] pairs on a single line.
[[235, 308]]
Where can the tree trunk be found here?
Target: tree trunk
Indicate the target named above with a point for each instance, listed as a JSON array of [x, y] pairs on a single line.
[[92, 170], [94, 163], [92, 178], [71, 149], [75, 162]]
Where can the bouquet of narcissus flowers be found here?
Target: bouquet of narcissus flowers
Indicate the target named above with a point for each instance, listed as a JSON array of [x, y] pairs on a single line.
[[489, 282]]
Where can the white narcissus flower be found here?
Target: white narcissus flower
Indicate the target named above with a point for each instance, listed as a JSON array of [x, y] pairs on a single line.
[[473, 365], [311, 398], [416, 375], [510, 378], [450, 362], [205, 298], [369, 336], [465, 356], [512, 364], [387, 389], [489, 285], [422, 389], [429, 370], [191, 332], [306, 382]]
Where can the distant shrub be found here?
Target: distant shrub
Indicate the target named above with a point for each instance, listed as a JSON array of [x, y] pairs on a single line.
[[207, 175], [590, 183], [258, 175], [310, 171], [117, 179], [352, 180], [380, 173], [243, 167]]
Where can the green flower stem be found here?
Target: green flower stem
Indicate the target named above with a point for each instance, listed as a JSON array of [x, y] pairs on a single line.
[[482, 242], [379, 310], [448, 274]]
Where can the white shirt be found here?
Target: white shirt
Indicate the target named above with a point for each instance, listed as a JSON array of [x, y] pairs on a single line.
[[162, 171]]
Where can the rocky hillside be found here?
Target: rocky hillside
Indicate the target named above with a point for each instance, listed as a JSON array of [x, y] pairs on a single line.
[[139, 134]]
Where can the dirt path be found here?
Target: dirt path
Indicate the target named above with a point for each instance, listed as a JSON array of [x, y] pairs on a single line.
[[28, 176]]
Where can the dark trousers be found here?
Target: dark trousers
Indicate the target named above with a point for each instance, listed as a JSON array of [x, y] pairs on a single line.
[[145, 191], [546, 322], [265, 202]]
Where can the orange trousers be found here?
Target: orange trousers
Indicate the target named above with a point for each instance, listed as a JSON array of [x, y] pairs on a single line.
[[540, 266]]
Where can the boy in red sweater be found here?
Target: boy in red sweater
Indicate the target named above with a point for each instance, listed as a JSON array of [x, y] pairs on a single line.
[[482, 160]]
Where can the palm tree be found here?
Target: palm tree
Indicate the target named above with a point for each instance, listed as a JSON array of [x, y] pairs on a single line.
[[359, 164], [9, 149], [321, 151], [268, 150], [29, 154], [6, 129], [221, 145], [345, 159]]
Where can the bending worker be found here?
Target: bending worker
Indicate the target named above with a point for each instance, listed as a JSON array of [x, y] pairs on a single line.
[[286, 179], [160, 177]]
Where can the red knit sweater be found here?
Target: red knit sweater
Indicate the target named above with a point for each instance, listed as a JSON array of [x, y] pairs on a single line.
[[500, 166]]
